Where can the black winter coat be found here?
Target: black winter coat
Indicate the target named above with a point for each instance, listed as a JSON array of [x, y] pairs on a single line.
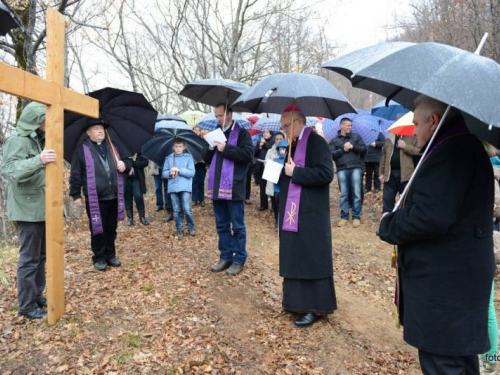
[[260, 153], [242, 155], [444, 234], [373, 154], [351, 159], [107, 188], [307, 254], [139, 164]]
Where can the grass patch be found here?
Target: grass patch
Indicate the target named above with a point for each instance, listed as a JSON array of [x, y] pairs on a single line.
[[8, 259], [122, 357], [133, 340], [148, 288]]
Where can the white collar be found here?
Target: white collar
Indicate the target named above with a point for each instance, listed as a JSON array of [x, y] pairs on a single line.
[[228, 127], [302, 133]]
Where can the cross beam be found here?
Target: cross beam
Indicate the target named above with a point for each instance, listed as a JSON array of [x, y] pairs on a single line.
[[57, 98]]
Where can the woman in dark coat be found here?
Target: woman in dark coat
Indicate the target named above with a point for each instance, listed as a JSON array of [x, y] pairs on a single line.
[[135, 188], [265, 143], [445, 248], [306, 255]]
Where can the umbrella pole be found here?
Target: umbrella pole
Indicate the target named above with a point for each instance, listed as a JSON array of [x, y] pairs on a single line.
[[422, 159], [291, 132], [112, 147]]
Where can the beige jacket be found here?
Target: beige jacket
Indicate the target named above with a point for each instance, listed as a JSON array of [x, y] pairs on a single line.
[[406, 157]]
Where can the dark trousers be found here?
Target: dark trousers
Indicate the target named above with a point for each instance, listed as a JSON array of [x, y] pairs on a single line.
[[264, 200], [391, 189], [103, 245], [275, 206], [230, 223], [31, 264], [161, 190], [199, 183], [248, 189], [133, 193], [435, 364], [371, 170]]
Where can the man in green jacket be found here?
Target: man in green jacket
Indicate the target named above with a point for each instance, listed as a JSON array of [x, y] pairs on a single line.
[[24, 168]]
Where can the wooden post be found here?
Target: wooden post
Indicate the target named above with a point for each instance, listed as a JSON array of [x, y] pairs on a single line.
[[57, 98]]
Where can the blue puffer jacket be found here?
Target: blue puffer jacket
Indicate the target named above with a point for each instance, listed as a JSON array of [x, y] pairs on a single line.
[[184, 180]]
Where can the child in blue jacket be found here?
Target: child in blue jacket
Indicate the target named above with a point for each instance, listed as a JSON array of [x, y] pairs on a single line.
[[179, 170]]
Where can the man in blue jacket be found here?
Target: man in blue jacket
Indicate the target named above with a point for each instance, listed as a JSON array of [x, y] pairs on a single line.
[[348, 150]]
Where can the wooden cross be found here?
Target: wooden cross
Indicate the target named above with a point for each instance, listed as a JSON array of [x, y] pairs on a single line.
[[57, 98]]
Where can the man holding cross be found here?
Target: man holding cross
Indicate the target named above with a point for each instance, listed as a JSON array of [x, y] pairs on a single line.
[[24, 168], [96, 167], [304, 223]]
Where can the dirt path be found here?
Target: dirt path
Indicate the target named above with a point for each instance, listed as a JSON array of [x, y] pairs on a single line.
[[164, 312]]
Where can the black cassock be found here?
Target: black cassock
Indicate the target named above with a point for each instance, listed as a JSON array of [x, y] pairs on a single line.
[[306, 256]]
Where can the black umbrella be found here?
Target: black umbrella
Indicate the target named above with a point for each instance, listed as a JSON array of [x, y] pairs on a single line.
[[131, 118], [8, 19], [313, 94], [214, 91], [158, 148]]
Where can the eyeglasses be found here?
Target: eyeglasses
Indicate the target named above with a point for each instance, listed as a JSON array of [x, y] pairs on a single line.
[[286, 126]]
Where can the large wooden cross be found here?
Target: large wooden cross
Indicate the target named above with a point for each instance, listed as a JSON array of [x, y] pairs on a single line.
[[57, 98]]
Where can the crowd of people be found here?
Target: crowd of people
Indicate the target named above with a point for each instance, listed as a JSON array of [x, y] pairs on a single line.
[[444, 291]]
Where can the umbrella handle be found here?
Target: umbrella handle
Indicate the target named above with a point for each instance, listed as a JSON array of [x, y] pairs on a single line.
[[112, 147]]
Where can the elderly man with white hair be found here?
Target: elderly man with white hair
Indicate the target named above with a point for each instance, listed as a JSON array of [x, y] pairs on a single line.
[[443, 233]]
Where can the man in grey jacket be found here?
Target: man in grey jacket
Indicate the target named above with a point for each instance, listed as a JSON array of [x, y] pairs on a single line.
[[24, 168]]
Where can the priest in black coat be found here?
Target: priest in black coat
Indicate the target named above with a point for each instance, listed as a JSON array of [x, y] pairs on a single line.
[[445, 247], [306, 254]]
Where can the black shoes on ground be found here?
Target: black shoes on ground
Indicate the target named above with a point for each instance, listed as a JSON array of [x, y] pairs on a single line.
[[262, 208], [221, 266], [307, 320], [143, 220], [130, 221], [36, 313], [102, 265], [41, 302]]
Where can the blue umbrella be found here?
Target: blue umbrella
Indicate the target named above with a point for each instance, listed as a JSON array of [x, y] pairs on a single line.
[[209, 122], [367, 126], [272, 122], [389, 112]]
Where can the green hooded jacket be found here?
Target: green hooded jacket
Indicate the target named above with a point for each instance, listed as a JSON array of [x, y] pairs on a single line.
[[23, 168]]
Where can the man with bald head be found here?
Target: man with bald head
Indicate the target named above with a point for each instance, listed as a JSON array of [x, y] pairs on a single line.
[[305, 248], [445, 257]]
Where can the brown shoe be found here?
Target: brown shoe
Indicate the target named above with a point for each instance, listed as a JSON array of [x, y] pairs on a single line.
[[356, 223], [221, 266], [234, 269]]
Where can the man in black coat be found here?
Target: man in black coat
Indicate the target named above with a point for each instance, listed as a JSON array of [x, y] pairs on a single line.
[[372, 161], [229, 163], [445, 247], [305, 251], [135, 188], [95, 170], [348, 150]]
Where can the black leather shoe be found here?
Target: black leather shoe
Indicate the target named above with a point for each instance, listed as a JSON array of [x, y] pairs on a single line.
[[307, 320], [376, 191], [367, 191], [221, 266], [143, 220], [262, 208], [130, 221], [114, 262], [159, 209], [234, 269], [41, 302], [100, 265], [36, 313]]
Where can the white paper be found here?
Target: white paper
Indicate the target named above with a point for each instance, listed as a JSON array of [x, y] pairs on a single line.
[[272, 171], [215, 135]]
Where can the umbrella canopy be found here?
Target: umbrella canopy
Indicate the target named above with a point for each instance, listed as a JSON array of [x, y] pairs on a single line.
[[192, 117], [313, 94], [390, 111], [209, 122], [464, 80], [367, 126], [171, 121], [214, 91], [403, 126], [158, 148], [131, 118], [8, 19]]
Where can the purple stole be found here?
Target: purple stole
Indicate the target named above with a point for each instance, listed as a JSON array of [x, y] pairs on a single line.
[[95, 213], [291, 219], [227, 171]]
